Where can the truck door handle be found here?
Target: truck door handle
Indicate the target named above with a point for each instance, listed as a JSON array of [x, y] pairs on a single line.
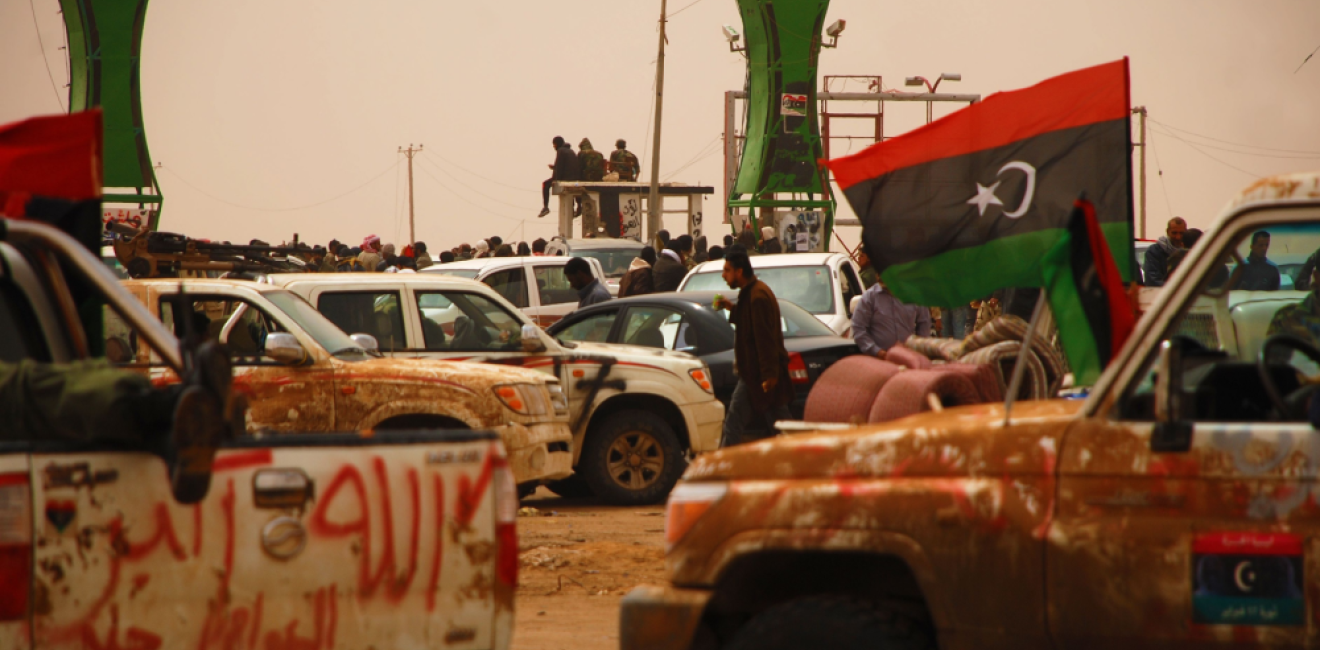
[[283, 487]]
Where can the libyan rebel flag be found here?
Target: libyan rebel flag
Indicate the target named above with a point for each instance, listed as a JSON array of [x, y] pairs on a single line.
[[978, 201], [1086, 295], [971, 203]]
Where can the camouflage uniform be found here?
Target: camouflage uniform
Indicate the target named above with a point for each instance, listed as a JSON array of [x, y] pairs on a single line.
[[591, 162], [625, 163]]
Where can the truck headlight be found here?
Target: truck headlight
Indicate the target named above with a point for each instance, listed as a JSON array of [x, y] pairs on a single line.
[[688, 502], [557, 398], [526, 399]]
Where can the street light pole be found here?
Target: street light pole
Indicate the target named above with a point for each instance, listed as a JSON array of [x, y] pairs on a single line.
[[654, 213]]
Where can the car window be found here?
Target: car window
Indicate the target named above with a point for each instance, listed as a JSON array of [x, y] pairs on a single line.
[[656, 327], [553, 286], [592, 329], [468, 322], [238, 325], [795, 322], [613, 261], [851, 286], [470, 274], [808, 287], [1239, 305], [511, 285], [376, 313]]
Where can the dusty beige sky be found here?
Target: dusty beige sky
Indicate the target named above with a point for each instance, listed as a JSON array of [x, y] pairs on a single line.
[[285, 105]]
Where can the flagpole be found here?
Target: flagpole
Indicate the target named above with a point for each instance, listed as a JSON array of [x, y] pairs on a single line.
[[1020, 368]]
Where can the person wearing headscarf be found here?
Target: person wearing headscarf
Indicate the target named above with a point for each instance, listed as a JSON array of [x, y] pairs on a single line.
[[370, 256], [480, 249]]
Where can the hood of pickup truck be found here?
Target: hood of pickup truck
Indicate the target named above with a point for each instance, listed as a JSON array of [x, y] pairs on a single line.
[[964, 441], [471, 376]]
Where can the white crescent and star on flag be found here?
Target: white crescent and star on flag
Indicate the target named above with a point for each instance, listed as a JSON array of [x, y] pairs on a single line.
[[985, 196]]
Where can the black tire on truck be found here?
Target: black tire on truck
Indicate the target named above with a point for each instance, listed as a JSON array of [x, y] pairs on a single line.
[[573, 487], [830, 622], [633, 458]]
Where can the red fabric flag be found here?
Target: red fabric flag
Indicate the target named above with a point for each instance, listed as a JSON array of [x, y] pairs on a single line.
[[57, 156]]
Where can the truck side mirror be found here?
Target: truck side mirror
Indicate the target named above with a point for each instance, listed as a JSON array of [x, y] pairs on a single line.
[[1172, 433], [285, 348], [366, 342], [531, 339]]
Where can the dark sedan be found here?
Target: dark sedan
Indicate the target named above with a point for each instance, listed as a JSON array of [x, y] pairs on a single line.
[[685, 322]]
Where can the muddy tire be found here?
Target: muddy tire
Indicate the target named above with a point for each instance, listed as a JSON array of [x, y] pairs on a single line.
[[573, 487], [830, 622], [632, 459]]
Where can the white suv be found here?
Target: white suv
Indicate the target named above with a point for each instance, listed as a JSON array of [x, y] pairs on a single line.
[[512, 276], [636, 413], [821, 283]]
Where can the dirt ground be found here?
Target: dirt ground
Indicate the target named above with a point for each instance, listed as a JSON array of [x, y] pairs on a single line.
[[578, 560]]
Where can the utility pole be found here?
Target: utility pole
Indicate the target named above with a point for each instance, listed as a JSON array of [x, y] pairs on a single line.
[[654, 213], [412, 226], [1141, 110]]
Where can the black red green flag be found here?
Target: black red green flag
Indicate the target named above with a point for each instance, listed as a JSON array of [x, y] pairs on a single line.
[[972, 203], [1087, 296]]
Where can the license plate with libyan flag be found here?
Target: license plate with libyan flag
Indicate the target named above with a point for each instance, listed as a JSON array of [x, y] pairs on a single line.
[[1248, 579]]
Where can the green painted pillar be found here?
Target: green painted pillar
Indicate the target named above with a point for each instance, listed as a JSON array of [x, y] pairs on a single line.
[[105, 46]]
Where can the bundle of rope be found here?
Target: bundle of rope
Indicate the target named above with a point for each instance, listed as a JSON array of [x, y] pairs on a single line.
[[847, 389], [907, 393], [1046, 365]]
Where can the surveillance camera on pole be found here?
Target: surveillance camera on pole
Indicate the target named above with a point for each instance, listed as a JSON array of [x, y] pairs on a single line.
[[732, 36], [833, 32]]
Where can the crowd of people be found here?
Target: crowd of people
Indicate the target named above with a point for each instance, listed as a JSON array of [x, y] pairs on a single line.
[[373, 256], [588, 165]]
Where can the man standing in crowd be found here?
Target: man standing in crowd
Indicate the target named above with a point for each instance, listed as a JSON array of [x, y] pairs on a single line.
[[1156, 266], [565, 169], [423, 258], [881, 320], [590, 290], [669, 270], [1259, 273], [770, 242], [639, 279], [538, 247], [624, 162], [764, 389]]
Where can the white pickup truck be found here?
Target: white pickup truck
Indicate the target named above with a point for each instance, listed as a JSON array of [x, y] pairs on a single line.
[[636, 413], [401, 540], [512, 277]]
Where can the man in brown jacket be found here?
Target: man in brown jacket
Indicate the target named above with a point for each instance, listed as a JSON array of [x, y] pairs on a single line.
[[764, 389], [638, 280]]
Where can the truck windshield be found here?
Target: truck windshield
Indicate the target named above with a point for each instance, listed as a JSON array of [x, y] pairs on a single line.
[[808, 287], [333, 339], [1263, 286], [614, 261]]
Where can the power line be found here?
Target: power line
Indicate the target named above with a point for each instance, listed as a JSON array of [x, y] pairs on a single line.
[[464, 199], [1236, 144], [257, 209], [42, 44], [1160, 170], [684, 8], [491, 180], [1246, 153], [702, 154], [1203, 153], [473, 189], [1299, 67]]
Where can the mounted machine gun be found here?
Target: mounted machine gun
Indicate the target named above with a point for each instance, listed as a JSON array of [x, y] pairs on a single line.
[[147, 254]]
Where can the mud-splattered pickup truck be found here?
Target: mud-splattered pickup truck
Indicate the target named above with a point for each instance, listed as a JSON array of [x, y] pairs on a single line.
[[1176, 506], [302, 374], [637, 413], [308, 542]]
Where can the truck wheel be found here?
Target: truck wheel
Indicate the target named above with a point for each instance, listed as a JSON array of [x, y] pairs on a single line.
[[830, 622], [632, 459], [572, 487]]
